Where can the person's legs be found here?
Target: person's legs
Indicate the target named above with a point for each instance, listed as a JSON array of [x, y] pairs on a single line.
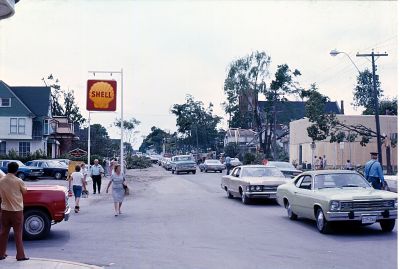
[[99, 184], [119, 207], [116, 208], [94, 184], [18, 221], [5, 230]]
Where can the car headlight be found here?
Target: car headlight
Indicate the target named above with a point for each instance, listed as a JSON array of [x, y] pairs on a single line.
[[395, 203], [258, 188], [334, 206]]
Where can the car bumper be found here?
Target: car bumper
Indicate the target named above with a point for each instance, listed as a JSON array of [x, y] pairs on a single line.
[[35, 174], [210, 168], [185, 169], [261, 195], [67, 214], [357, 215]]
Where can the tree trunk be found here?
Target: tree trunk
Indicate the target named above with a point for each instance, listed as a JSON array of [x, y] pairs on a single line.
[[388, 162]]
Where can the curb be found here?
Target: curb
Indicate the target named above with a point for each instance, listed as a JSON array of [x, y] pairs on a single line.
[[39, 263]]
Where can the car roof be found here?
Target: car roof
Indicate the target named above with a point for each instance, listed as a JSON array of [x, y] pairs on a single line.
[[256, 166], [325, 172]]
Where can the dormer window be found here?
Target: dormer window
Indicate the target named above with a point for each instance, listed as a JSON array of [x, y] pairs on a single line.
[[5, 102]]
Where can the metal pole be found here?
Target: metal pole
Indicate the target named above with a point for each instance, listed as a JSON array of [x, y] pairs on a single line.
[[376, 103], [122, 120], [89, 141]]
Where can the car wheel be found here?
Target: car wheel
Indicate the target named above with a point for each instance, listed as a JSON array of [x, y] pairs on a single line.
[[21, 176], [291, 215], [387, 225], [323, 226], [57, 175], [172, 171], [36, 224], [228, 193], [220, 171], [194, 172], [245, 199]]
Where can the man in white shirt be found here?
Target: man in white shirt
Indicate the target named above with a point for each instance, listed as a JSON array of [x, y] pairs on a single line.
[[96, 172]]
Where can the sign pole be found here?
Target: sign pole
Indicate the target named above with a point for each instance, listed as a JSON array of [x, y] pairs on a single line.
[[122, 120], [89, 141]]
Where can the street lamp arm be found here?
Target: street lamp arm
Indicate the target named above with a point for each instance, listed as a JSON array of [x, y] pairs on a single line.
[[335, 52]]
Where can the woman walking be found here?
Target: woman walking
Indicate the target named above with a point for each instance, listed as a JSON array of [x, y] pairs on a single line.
[[78, 181], [118, 188]]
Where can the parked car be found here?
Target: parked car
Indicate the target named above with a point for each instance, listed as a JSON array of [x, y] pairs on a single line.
[[44, 205], [211, 165], [391, 182], [63, 161], [328, 196], [252, 181], [234, 162], [154, 158], [24, 171], [166, 163], [183, 163], [286, 168], [50, 168]]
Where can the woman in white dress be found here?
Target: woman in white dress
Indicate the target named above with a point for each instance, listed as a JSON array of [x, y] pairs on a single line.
[[118, 190]]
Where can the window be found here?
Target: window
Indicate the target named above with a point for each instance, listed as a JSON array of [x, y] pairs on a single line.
[[3, 150], [298, 181], [306, 183], [5, 102], [46, 127], [13, 125], [21, 126], [24, 148]]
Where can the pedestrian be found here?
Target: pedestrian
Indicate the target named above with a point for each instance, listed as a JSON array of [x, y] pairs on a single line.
[[228, 164], [324, 162], [373, 172], [316, 162], [348, 165], [78, 182], [118, 188], [96, 171], [12, 190], [321, 163]]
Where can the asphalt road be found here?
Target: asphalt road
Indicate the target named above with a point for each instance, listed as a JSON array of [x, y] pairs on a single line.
[[185, 221]]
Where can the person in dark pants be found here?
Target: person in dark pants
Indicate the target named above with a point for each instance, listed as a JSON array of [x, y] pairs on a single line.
[[373, 172], [12, 190], [228, 165], [96, 171]]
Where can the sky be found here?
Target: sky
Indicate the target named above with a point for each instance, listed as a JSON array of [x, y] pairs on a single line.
[[168, 49]]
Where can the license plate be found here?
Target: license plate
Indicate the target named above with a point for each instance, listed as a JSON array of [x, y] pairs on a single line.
[[368, 219]]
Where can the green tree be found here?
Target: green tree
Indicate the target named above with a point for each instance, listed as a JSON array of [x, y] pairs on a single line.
[[246, 79], [154, 140], [130, 127], [387, 106], [196, 123], [231, 150], [363, 93]]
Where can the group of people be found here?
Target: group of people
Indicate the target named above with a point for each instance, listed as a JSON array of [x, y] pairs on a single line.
[[78, 182], [320, 163]]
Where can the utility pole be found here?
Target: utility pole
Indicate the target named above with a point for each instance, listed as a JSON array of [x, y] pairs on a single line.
[[375, 95]]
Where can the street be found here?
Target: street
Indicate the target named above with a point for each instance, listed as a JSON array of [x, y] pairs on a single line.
[[186, 221]]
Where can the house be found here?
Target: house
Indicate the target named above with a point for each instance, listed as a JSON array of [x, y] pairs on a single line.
[[246, 139], [337, 154], [27, 122]]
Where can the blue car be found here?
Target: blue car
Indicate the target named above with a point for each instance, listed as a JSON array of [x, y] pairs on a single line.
[[50, 168], [24, 171]]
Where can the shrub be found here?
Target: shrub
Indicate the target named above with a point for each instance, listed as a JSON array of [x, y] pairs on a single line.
[[135, 162], [251, 158]]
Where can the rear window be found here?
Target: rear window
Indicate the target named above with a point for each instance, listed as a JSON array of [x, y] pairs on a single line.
[[212, 162], [261, 172]]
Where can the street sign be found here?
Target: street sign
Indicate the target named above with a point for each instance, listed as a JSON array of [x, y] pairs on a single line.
[[101, 95], [77, 153]]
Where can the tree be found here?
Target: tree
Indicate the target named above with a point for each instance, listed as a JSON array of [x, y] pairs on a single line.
[[245, 80], [231, 150], [155, 140], [63, 102], [129, 128], [196, 123], [386, 107], [364, 90], [281, 86]]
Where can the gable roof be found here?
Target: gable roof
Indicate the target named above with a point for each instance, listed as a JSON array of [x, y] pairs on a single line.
[[294, 110], [37, 99], [18, 108]]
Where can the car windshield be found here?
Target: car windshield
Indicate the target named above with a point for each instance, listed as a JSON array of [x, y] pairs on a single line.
[[340, 181], [282, 165], [183, 158], [20, 164], [212, 162], [235, 160], [54, 164], [261, 172]]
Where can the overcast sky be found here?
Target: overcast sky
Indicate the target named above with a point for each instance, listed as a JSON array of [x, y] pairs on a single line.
[[168, 49]]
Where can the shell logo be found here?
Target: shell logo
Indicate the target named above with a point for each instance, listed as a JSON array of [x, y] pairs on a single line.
[[101, 95]]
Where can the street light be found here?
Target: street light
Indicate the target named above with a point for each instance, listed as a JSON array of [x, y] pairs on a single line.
[[7, 8], [334, 53]]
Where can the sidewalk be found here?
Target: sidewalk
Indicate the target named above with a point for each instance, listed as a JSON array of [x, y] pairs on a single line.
[[39, 263]]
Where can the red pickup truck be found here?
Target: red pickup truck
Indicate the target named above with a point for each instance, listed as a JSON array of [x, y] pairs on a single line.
[[44, 205]]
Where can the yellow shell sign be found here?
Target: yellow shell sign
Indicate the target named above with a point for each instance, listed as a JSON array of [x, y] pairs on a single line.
[[101, 95]]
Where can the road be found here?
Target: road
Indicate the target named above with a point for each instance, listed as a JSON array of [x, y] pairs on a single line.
[[185, 221]]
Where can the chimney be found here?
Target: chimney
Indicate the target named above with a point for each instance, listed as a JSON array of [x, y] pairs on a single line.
[[341, 107]]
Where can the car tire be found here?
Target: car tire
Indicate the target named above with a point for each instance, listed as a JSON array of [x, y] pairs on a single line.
[[228, 193], [291, 215], [387, 225], [220, 171], [172, 171], [21, 175], [245, 199], [323, 225], [37, 224], [194, 172], [57, 175]]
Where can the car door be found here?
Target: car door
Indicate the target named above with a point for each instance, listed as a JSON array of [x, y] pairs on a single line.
[[236, 179], [227, 180], [304, 197]]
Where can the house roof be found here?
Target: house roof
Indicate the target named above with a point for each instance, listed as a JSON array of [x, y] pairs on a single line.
[[240, 132], [37, 99], [294, 110]]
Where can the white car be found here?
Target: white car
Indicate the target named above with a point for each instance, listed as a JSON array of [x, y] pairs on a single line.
[[391, 182]]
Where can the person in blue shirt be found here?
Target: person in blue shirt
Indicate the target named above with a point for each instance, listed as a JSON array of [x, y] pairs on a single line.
[[373, 172]]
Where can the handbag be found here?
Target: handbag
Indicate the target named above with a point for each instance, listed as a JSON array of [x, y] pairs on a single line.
[[125, 187], [85, 194]]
